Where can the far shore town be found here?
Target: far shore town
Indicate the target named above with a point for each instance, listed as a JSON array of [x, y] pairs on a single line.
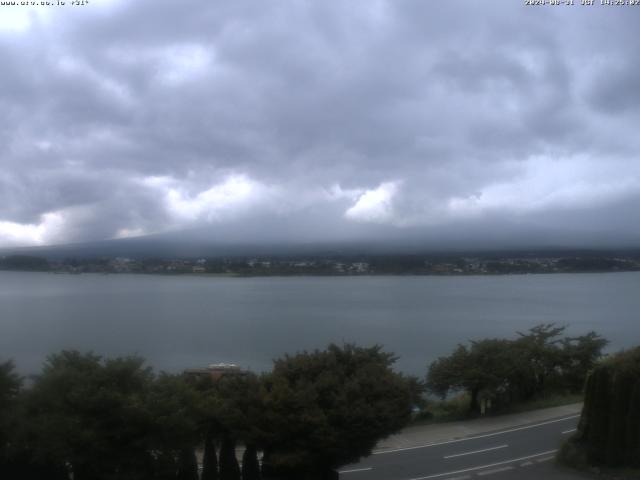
[[338, 265]]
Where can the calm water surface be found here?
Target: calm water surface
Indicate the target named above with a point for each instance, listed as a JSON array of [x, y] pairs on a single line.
[[178, 322]]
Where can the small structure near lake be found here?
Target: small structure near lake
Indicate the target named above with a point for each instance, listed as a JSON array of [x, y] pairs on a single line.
[[215, 371]]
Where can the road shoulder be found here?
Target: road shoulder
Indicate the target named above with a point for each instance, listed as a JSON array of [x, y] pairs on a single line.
[[419, 435]]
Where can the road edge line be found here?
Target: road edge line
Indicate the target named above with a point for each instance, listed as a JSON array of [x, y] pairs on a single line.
[[493, 434], [471, 469]]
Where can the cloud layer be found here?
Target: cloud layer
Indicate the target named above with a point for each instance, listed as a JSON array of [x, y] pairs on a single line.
[[334, 118]]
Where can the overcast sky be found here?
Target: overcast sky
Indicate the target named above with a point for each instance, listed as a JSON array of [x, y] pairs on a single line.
[[323, 120]]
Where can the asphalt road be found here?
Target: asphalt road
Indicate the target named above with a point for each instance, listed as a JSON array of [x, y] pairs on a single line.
[[514, 452]]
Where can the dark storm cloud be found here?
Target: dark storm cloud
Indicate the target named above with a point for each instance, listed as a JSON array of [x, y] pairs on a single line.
[[318, 119]]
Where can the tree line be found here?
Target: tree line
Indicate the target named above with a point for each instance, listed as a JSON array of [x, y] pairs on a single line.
[[501, 372], [88, 417]]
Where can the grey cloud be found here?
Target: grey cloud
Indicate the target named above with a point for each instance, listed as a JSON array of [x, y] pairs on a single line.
[[458, 103], [616, 91]]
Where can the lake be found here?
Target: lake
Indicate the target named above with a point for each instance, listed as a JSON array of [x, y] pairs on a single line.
[[184, 321]]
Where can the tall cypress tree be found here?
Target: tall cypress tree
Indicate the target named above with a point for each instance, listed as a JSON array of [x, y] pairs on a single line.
[[622, 389], [250, 464], [609, 430], [632, 437], [229, 468], [210, 460], [187, 465]]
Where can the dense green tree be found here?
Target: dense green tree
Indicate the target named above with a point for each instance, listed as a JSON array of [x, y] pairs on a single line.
[[175, 409], [17, 461], [111, 419], [579, 356], [446, 374], [231, 407], [482, 369], [609, 429], [10, 384], [538, 357], [240, 409], [537, 362], [324, 409], [210, 401], [546, 362], [91, 414]]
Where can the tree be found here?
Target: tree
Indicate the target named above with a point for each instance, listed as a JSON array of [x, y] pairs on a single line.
[[208, 424], [538, 358], [579, 356], [240, 412], [507, 371], [484, 368], [250, 464], [177, 418], [10, 384], [447, 373], [108, 419], [229, 468], [90, 414], [210, 459], [16, 457], [324, 409], [609, 429]]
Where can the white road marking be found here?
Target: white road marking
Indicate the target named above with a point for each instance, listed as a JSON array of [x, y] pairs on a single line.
[[517, 429], [526, 464], [495, 470], [476, 451], [545, 459], [356, 470], [464, 477], [569, 431], [481, 467]]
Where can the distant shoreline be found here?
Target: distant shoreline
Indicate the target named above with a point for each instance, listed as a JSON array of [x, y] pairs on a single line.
[[311, 275], [331, 266]]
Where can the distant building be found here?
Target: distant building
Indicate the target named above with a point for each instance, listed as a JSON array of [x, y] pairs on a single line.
[[361, 267], [302, 264], [215, 371]]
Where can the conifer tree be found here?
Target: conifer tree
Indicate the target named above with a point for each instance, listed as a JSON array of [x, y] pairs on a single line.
[[229, 468], [250, 464], [609, 429], [187, 465], [210, 459]]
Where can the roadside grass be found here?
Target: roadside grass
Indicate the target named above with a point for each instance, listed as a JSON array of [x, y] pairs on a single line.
[[449, 410], [456, 408], [548, 401]]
